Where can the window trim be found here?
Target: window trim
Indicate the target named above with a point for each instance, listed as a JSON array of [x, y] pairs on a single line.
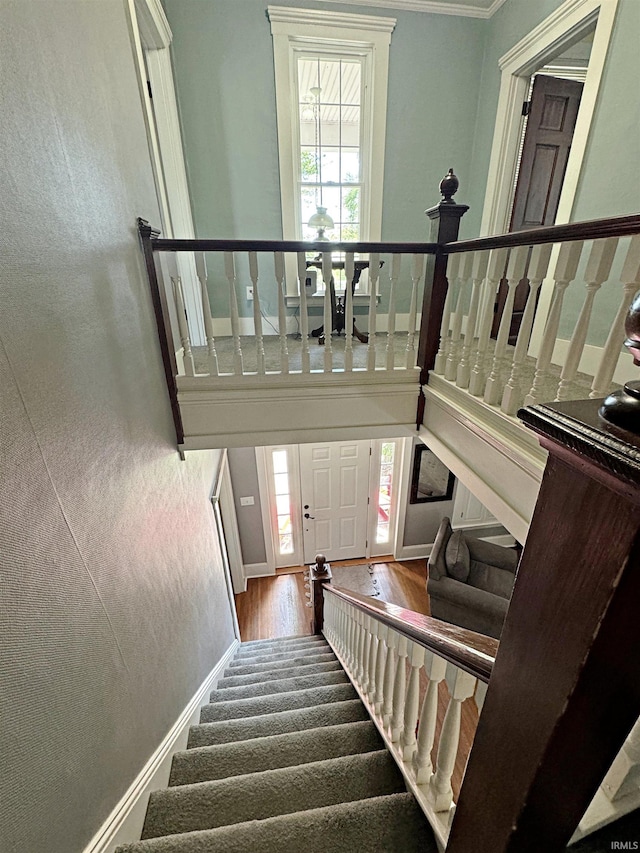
[[292, 28]]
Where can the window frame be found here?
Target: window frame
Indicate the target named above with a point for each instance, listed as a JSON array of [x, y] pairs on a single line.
[[296, 29]]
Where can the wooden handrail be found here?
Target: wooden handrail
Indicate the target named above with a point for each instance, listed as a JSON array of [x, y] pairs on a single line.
[[472, 652], [615, 226], [202, 245]]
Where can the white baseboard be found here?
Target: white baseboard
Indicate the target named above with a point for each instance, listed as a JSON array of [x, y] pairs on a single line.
[[258, 570], [124, 824], [413, 552]]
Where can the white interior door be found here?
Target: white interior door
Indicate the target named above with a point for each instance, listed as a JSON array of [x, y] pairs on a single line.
[[334, 479]]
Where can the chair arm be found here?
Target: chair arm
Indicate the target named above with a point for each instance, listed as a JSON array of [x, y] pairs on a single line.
[[469, 597], [493, 555]]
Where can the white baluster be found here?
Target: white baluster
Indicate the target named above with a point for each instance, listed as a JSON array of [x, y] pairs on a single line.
[[624, 775], [630, 278], [353, 640], [389, 677], [515, 272], [230, 272], [497, 263], [461, 686], [565, 272], [412, 701], [327, 274], [399, 691], [394, 275], [373, 660], [538, 265], [201, 271], [596, 273], [257, 313], [278, 261], [374, 273], [360, 645], [378, 699], [366, 656], [417, 269], [304, 317], [478, 274], [455, 348], [435, 668], [183, 326], [453, 267], [349, 268]]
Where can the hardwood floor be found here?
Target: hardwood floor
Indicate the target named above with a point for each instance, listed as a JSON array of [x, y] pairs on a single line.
[[276, 607]]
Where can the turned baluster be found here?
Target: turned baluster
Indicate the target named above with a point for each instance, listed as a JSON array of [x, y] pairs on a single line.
[[455, 347], [597, 272], [183, 326], [515, 273], [435, 668], [389, 677], [399, 690], [366, 655], [373, 660], [394, 275], [349, 269], [453, 266], [327, 275], [360, 643], [538, 265], [478, 273], [304, 317], [461, 686], [497, 263], [630, 278], [412, 701], [278, 261], [230, 272], [381, 662], [417, 268], [257, 313], [374, 273], [565, 272], [201, 271]]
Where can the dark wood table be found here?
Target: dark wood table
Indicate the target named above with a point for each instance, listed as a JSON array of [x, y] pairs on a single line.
[[338, 303]]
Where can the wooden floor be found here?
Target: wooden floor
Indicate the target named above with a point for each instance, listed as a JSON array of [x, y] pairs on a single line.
[[276, 607]]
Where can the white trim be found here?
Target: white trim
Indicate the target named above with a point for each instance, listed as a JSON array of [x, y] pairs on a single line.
[[322, 18], [462, 10], [414, 552], [379, 549], [258, 570], [155, 31], [537, 48], [263, 496], [403, 491], [124, 824], [223, 502]]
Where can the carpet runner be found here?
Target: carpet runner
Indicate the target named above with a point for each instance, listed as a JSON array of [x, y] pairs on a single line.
[[285, 759]]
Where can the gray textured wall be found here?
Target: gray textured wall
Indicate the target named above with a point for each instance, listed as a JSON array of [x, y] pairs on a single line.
[[244, 475], [113, 606]]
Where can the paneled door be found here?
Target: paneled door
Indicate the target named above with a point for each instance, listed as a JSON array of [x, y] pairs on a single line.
[[334, 481]]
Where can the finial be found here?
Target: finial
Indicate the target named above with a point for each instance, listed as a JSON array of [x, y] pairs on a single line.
[[449, 187], [623, 407]]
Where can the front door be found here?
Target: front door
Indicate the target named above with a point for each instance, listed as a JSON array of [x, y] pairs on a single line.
[[335, 490]]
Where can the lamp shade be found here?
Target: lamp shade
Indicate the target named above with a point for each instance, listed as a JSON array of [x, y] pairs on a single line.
[[320, 219]]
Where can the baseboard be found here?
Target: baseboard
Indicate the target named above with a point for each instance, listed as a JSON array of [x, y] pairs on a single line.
[[413, 552], [258, 570], [124, 824]]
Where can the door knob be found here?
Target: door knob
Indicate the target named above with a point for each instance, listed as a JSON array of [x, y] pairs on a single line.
[[312, 517]]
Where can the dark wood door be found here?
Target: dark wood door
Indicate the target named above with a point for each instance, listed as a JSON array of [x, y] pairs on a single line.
[[552, 118]]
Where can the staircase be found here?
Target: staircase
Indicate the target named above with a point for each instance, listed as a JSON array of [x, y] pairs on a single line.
[[285, 759]]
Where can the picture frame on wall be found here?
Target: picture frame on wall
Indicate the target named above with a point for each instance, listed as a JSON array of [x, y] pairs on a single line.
[[431, 480]]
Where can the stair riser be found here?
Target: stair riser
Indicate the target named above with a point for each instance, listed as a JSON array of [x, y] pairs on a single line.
[[273, 675], [283, 664], [281, 685], [279, 702], [278, 656], [289, 642], [264, 648]]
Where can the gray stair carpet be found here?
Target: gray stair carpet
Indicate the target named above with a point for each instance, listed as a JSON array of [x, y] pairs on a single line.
[[285, 759]]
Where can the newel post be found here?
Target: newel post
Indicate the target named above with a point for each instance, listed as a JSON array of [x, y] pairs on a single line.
[[319, 574], [445, 224]]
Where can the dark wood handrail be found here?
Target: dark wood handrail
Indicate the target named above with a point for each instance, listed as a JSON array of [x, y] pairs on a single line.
[[201, 245], [615, 226], [472, 652]]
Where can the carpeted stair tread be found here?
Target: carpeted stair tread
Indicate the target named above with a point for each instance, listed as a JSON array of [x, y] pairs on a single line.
[[265, 725], [290, 641], [244, 660], [270, 753], [276, 702], [279, 685], [271, 666], [387, 824], [265, 647], [271, 674], [256, 796]]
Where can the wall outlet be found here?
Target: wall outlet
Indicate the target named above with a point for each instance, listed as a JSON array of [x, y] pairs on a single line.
[[249, 294]]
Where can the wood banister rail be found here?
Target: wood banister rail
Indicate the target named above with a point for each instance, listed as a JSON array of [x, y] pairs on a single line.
[[474, 653], [206, 245], [615, 226]]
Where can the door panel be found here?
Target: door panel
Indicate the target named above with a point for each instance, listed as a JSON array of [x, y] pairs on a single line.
[[334, 488]]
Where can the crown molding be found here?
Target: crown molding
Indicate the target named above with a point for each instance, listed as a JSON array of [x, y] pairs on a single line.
[[293, 15], [433, 7]]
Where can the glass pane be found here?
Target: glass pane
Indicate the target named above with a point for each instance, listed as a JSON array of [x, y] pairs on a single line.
[[286, 544], [331, 200], [309, 170], [329, 128], [350, 126], [281, 484], [330, 165], [330, 81], [309, 200], [351, 85], [282, 504], [350, 165], [284, 524], [382, 532], [307, 78], [350, 204], [280, 462]]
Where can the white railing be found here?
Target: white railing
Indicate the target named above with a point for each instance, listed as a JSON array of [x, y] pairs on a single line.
[[568, 344], [390, 669], [253, 326]]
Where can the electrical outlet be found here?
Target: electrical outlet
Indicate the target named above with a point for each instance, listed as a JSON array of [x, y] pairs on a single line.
[[249, 294], [248, 501]]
